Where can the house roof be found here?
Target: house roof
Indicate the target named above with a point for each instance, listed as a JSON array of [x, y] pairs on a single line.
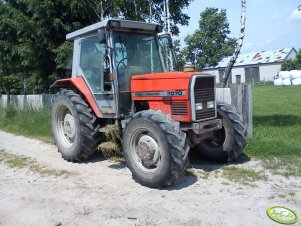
[[263, 57]]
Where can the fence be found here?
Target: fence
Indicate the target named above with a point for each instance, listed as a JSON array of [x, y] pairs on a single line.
[[28, 101], [239, 96]]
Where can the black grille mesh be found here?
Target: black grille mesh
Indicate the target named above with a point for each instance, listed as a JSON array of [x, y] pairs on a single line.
[[204, 92], [179, 108]]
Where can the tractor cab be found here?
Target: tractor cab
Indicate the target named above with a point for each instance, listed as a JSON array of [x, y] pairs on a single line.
[[107, 54]]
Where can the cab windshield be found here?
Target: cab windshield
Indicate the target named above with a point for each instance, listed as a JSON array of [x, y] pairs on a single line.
[[135, 53]]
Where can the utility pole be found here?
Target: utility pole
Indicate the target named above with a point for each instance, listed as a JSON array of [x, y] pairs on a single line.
[[101, 11], [167, 30], [166, 12], [150, 2], [168, 17], [165, 17]]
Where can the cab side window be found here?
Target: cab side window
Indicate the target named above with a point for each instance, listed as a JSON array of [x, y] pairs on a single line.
[[92, 62]]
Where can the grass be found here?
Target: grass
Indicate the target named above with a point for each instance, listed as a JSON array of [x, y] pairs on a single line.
[[285, 165], [277, 128], [276, 121], [190, 172], [242, 175], [27, 122], [16, 161], [117, 159]]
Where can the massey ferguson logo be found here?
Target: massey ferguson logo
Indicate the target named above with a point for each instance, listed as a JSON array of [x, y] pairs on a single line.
[[175, 93]]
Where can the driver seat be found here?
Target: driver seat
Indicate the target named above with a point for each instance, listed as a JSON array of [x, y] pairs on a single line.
[[129, 72]]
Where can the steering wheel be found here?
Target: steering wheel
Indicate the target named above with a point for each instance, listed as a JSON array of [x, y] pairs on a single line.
[[122, 63]]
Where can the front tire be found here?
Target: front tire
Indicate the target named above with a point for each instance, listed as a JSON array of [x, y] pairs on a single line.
[[155, 149], [227, 143], [74, 127]]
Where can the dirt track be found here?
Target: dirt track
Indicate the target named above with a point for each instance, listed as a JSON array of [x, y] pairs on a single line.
[[100, 192]]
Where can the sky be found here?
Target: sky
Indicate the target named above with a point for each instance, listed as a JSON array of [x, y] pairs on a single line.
[[270, 24]]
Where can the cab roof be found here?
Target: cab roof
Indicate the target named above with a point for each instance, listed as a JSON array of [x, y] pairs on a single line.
[[116, 24]]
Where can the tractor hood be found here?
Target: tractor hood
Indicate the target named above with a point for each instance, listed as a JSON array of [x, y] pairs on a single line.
[[167, 75], [173, 93], [174, 85]]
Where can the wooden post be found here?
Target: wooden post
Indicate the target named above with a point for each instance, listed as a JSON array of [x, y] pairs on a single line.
[[240, 97], [247, 106]]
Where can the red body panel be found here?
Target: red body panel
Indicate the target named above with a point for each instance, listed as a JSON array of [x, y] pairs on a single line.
[[162, 82], [81, 85]]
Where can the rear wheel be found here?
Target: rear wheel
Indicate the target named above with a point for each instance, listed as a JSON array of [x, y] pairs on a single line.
[[227, 143], [74, 126], [155, 149]]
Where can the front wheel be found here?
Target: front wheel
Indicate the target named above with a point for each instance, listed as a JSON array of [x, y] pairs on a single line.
[[227, 143], [155, 149]]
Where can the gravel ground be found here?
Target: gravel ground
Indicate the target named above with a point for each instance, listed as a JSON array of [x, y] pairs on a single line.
[[101, 192]]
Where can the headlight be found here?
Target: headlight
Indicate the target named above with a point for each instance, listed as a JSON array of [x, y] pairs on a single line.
[[210, 104], [198, 106]]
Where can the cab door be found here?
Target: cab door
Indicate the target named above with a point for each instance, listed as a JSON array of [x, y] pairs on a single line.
[[94, 66]]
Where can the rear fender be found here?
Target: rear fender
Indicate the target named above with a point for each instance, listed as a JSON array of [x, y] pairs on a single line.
[[80, 84]]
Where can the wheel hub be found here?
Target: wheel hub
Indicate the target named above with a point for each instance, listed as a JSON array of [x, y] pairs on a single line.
[[148, 150], [69, 127]]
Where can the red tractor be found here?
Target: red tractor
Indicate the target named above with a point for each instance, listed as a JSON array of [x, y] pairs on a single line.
[[120, 75]]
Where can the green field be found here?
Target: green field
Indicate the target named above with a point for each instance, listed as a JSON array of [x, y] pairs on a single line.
[[276, 119]]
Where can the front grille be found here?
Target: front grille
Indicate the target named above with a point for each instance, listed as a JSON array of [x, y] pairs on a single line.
[[205, 113], [204, 92], [179, 108], [203, 95]]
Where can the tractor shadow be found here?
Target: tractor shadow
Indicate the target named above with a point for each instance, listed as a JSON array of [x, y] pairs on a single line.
[[198, 162], [184, 182], [115, 163], [95, 158]]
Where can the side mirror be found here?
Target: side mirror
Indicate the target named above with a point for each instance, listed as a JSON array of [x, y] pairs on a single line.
[[166, 38], [101, 36]]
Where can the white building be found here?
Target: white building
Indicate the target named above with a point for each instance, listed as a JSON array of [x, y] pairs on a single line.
[[253, 67]]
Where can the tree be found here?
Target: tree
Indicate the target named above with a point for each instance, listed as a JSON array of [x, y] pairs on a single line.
[[32, 33], [238, 45], [210, 43], [292, 64], [180, 54], [140, 10]]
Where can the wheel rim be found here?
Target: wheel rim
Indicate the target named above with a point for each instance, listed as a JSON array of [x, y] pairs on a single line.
[[145, 150], [65, 126]]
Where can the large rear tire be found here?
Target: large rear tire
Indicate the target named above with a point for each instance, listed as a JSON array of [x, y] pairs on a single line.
[[74, 126], [155, 149], [227, 143]]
